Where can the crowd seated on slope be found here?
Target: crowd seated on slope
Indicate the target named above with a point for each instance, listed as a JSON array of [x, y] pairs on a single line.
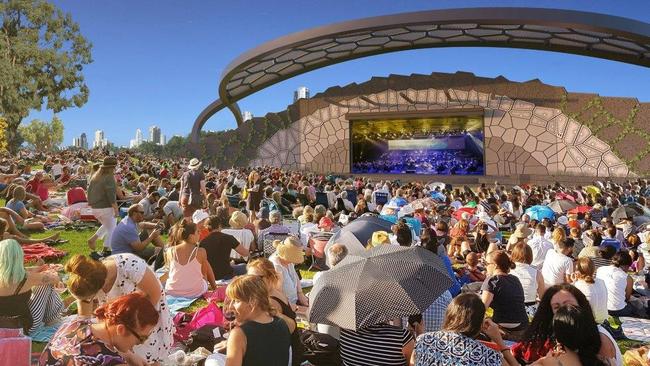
[[523, 282]]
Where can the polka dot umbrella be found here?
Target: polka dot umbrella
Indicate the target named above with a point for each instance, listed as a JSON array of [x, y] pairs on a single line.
[[378, 285]]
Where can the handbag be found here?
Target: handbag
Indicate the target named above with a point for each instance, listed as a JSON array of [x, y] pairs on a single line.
[[320, 349]]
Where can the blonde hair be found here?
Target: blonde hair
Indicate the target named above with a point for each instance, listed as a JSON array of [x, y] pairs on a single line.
[[251, 290], [558, 235], [238, 220], [19, 193], [265, 269], [86, 276], [585, 268]]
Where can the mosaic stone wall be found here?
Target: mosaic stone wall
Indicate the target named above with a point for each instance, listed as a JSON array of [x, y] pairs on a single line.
[[521, 138]]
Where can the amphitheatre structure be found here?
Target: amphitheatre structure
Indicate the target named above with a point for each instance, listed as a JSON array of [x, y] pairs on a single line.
[[528, 131]]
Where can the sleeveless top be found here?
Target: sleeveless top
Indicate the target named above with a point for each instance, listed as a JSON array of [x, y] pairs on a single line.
[[185, 280], [527, 275], [17, 305], [266, 344], [296, 345]]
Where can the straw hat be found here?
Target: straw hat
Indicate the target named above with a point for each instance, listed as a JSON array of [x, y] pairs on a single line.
[[238, 220], [194, 164], [522, 231], [379, 238], [289, 252]]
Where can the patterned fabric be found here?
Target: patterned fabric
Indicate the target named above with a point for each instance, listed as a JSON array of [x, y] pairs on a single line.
[[453, 349], [130, 271], [434, 316], [74, 345]]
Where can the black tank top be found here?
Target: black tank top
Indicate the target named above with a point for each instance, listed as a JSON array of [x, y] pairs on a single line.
[[17, 305], [297, 350], [266, 344]]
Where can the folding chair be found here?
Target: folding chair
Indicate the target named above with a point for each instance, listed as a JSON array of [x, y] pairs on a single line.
[[352, 196], [317, 247], [381, 198], [321, 199], [267, 241]]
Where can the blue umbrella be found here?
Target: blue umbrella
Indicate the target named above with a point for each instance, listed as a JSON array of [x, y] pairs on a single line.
[[438, 196], [540, 212]]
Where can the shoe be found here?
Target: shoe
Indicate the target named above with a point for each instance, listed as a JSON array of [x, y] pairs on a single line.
[[96, 256]]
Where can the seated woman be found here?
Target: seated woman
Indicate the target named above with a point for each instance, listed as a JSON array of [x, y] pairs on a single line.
[[593, 288], [188, 264], [619, 284], [529, 276], [94, 282], [244, 236], [27, 295], [261, 339], [537, 341], [287, 254], [505, 294], [121, 324], [218, 247], [263, 268], [572, 350], [30, 221], [456, 343], [22, 239]]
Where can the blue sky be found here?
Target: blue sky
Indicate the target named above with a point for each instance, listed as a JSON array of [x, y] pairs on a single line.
[[159, 62]]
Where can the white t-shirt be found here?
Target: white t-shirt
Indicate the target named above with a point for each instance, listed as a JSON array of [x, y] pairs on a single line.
[[244, 236], [540, 247], [556, 267], [616, 282], [57, 169], [596, 293], [527, 275], [174, 208]]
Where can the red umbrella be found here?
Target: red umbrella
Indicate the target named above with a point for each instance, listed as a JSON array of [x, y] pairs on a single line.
[[580, 210], [459, 213], [565, 196]]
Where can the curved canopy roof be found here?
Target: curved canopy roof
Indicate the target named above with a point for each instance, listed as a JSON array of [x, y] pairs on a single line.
[[590, 34]]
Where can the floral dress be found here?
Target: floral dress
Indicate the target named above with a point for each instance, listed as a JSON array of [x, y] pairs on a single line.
[[453, 349], [74, 345], [130, 271]]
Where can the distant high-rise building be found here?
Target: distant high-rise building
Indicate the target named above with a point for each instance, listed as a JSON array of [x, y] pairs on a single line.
[[75, 142], [99, 139], [138, 137], [83, 141], [301, 93], [247, 116], [163, 140], [154, 134]]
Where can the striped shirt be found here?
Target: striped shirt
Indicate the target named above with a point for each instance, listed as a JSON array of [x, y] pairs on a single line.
[[376, 345]]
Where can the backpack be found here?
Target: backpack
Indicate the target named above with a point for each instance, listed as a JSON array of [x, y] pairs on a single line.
[[320, 349]]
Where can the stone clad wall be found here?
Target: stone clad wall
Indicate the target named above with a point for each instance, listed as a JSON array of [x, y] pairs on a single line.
[[521, 138]]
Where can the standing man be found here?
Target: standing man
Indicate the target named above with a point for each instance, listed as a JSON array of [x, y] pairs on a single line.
[[192, 189]]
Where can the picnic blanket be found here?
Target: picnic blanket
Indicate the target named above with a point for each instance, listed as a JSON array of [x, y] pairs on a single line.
[[33, 252], [175, 303], [636, 328]]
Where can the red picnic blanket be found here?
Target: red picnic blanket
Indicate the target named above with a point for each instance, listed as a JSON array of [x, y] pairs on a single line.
[[35, 251]]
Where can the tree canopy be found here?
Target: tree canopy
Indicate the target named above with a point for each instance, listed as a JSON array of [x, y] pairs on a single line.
[[43, 136], [42, 56]]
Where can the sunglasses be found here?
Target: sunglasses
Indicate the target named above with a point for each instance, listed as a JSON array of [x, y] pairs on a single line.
[[141, 338]]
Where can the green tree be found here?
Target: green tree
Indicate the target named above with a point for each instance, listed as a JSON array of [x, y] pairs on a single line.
[[43, 136], [3, 135], [149, 147], [176, 146], [42, 55]]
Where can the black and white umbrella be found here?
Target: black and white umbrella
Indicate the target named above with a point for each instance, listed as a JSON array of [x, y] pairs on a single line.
[[355, 235], [378, 285], [633, 211], [562, 206]]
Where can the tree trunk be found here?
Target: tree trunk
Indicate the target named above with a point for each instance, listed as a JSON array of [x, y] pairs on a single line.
[[14, 140]]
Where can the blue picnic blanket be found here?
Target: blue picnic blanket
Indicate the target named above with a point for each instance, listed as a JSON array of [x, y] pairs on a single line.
[[177, 303]]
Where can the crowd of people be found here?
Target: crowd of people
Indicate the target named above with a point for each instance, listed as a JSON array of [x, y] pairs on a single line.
[[526, 289]]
